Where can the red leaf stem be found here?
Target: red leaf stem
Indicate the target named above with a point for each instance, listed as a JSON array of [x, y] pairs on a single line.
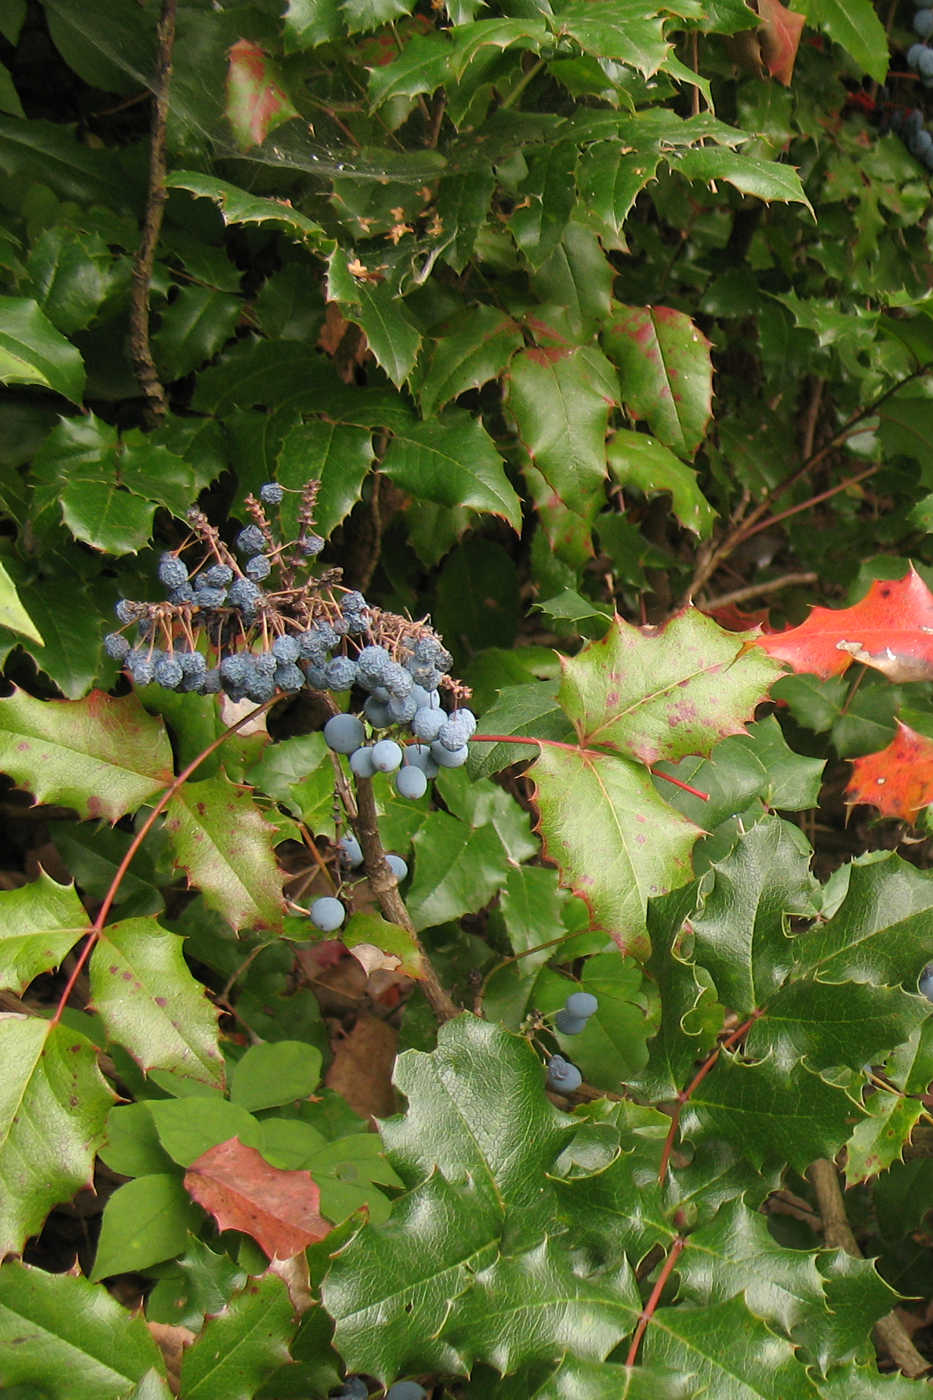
[[652, 1303]]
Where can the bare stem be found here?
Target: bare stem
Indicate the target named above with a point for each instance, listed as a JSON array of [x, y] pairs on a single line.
[[140, 348], [649, 1309]]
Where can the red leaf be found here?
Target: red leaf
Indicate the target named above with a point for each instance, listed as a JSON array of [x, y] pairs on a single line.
[[891, 629], [899, 779], [256, 102], [779, 37], [733, 619], [278, 1209]]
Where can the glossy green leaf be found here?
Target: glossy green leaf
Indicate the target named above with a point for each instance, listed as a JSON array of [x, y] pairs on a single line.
[[390, 333], [193, 328], [241, 1345], [32, 351], [101, 756], [151, 1004], [475, 349], [190, 1126], [339, 456], [635, 459], [620, 29], [457, 870], [240, 207], [82, 1342], [225, 847], [855, 26], [665, 371], [53, 1107], [311, 22], [561, 400], [12, 613], [144, 1221], [39, 923], [610, 180], [764, 179], [451, 460]]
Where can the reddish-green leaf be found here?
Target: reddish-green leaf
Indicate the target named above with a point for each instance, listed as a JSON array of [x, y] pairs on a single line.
[[890, 629], [38, 924], [662, 693], [256, 102], [101, 756], [278, 1209], [226, 849], [779, 37], [614, 840], [53, 1111], [152, 1005], [666, 372]]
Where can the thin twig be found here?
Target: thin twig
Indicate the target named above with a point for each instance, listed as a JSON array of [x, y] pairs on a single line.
[[140, 348], [890, 1334], [649, 1309], [755, 590]]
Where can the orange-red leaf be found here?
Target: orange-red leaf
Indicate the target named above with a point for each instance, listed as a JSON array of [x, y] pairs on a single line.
[[277, 1208], [779, 37], [256, 101], [891, 629], [899, 779]]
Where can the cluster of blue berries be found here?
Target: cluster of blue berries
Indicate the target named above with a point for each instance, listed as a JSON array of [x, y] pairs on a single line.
[[328, 912], [355, 1388]]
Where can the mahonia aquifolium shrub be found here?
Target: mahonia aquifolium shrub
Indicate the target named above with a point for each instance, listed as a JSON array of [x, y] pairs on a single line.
[[300, 629]]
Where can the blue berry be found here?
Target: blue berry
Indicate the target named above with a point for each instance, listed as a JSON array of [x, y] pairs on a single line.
[[562, 1076], [406, 1390], [913, 55], [217, 576], [923, 23], [259, 566], [288, 676], [311, 545], [286, 648], [244, 595], [271, 493], [251, 540], [327, 914], [234, 669], [398, 866], [209, 598], [140, 666], [926, 982], [341, 673], [427, 725], [344, 733], [411, 782], [377, 712], [387, 756], [419, 756], [569, 1025], [582, 1004], [402, 710], [210, 684], [168, 673], [371, 665], [128, 611], [172, 571], [182, 595], [353, 1388], [361, 762], [351, 850], [449, 758], [116, 646]]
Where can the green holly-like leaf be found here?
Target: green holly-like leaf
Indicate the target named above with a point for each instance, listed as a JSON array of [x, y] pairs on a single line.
[[457, 870], [39, 923], [617, 29], [532, 1306], [662, 695], [615, 842], [476, 348], [53, 1110], [390, 332], [240, 207], [856, 27], [80, 1341], [152, 1005], [635, 459], [101, 756], [741, 928], [339, 456], [240, 1346], [193, 328], [12, 613], [856, 1298], [225, 847], [665, 370], [451, 460], [561, 399], [764, 179], [32, 351]]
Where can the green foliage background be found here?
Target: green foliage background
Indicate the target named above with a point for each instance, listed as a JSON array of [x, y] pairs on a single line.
[[578, 315]]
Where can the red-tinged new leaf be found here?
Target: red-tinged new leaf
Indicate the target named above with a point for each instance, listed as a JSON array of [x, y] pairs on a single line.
[[256, 101], [226, 848], [152, 1005], [779, 37], [101, 756], [614, 840], [53, 1111], [276, 1208], [666, 372], [656, 694], [899, 779], [891, 629]]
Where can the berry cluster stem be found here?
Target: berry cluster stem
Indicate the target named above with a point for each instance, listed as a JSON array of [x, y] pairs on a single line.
[[385, 887]]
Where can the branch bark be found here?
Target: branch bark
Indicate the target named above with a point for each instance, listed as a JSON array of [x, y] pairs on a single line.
[[140, 349]]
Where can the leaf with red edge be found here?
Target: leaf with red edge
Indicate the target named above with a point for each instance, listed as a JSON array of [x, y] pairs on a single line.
[[891, 629], [276, 1208], [256, 101], [663, 693], [899, 779], [779, 37], [666, 372]]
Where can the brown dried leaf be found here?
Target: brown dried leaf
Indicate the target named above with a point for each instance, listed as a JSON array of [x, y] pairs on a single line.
[[276, 1208]]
